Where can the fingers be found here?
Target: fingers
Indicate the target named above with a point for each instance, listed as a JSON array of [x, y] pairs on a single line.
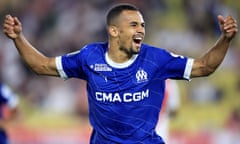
[[230, 24], [8, 25], [221, 19], [16, 21], [7, 28], [9, 22], [12, 27]]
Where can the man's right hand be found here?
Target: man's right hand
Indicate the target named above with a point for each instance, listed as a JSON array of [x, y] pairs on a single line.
[[12, 27]]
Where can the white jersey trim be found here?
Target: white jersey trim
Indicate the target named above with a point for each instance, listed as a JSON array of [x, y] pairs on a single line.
[[58, 61], [188, 68], [120, 65]]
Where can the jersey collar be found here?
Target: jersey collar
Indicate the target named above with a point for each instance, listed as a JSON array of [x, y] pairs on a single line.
[[120, 65]]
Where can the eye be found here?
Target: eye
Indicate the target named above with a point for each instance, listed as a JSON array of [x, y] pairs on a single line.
[[133, 25], [143, 25]]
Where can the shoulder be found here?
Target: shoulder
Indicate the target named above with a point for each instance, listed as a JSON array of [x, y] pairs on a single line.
[[155, 53], [94, 51], [89, 49], [148, 47], [153, 50], [97, 46]]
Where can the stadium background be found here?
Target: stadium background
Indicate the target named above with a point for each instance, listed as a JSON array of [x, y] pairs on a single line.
[[55, 111]]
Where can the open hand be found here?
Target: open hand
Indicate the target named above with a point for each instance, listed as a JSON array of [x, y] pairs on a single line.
[[12, 27]]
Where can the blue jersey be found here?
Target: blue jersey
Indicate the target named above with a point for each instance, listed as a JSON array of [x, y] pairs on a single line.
[[124, 99], [9, 99]]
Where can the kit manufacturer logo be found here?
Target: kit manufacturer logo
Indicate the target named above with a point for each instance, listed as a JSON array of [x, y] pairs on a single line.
[[101, 67]]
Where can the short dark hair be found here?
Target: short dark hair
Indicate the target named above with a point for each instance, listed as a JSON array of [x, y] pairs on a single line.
[[117, 10]]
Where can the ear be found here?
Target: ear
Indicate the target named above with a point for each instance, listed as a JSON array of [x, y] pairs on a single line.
[[113, 31]]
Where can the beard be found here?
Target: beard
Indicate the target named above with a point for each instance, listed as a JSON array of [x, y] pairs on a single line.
[[128, 47], [129, 51]]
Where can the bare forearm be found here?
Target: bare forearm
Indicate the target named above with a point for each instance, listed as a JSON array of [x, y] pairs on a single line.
[[27, 52], [39, 63], [209, 62], [214, 57]]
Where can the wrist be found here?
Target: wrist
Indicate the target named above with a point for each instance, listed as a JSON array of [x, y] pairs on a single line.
[[226, 39], [18, 37]]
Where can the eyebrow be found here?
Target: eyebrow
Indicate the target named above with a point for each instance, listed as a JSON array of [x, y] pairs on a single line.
[[136, 23]]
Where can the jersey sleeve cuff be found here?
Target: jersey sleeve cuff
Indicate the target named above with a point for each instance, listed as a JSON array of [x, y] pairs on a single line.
[[60, 70], [188, 69]]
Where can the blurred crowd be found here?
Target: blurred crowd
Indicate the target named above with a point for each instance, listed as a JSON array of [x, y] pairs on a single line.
[[57, 27]]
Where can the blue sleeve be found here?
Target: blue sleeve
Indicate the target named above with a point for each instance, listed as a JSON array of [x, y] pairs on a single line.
[[177, 66], [71, 65]]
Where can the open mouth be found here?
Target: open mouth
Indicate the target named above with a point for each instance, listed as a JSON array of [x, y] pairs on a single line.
[[138, 38]]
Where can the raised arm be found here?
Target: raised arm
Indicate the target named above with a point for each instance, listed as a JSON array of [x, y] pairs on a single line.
[[209, 62], [38, 63]]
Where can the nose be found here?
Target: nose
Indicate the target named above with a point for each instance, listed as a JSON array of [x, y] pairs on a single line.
[[141, 29]]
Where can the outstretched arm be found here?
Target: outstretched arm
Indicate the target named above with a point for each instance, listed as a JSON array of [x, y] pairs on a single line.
[[39, 63], [209, 62]]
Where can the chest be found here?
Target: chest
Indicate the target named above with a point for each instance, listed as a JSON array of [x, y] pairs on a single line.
[[139, 83], [102, 77]]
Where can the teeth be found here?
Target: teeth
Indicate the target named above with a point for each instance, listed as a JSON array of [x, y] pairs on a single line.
[[138, 36]]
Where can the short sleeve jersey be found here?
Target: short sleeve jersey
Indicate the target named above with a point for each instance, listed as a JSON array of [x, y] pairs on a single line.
[[124, 99]]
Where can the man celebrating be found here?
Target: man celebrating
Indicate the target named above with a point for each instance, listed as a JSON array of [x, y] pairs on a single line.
[[125, 77]]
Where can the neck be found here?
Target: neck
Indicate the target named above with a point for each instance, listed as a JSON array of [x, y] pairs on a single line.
[[119, 64], [117, 55]]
